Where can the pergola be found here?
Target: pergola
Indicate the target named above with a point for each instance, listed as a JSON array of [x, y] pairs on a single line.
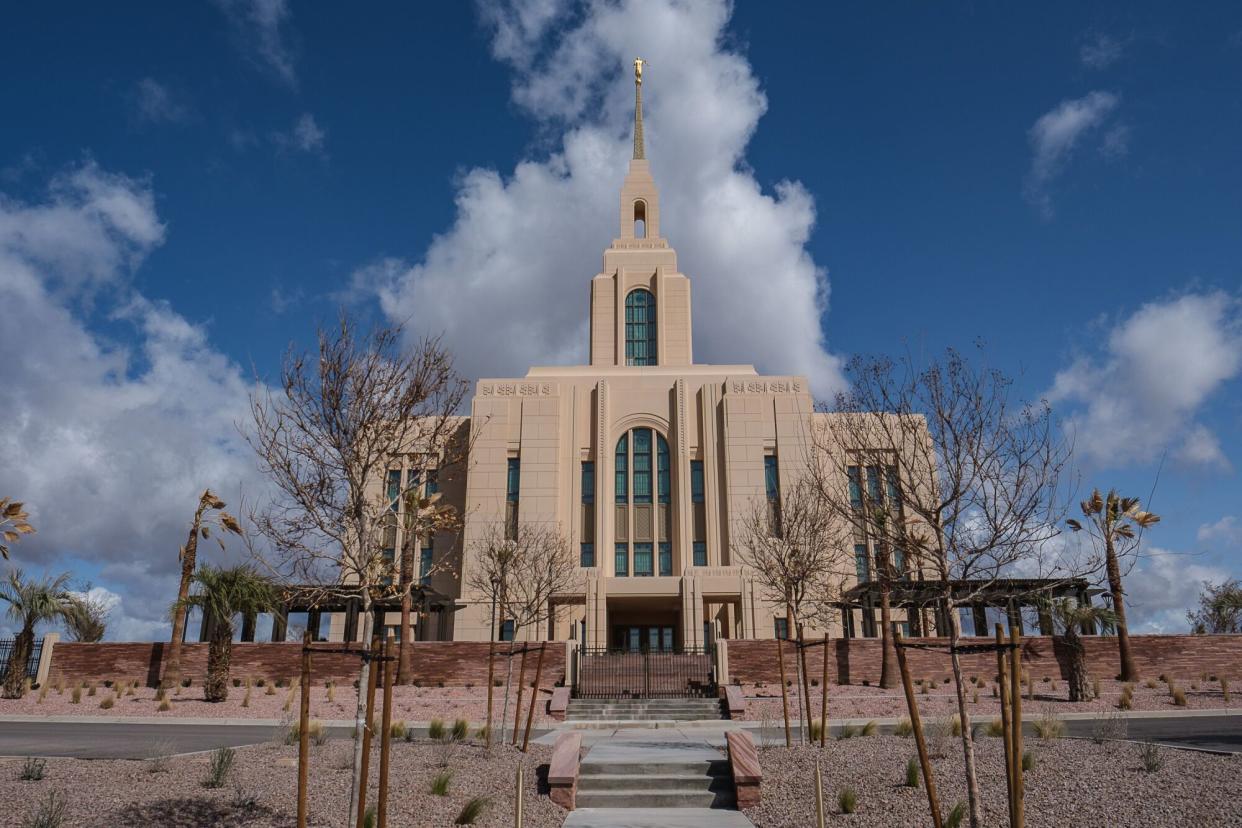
[[923, 597]]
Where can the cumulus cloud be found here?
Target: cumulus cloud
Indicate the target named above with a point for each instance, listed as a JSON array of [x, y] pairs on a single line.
[[1100, 51], [1162, 588], [155, 103], [1227, 532], [259, 26], [1054, 137], [109, 439], [1140, 394], [509, 280]]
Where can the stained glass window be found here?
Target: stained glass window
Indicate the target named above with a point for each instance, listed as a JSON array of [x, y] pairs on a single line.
[[642, 559], [640, 328], [622, 469], [642, 465]]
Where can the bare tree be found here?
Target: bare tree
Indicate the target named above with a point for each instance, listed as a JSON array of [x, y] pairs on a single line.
[[210, 511], [326, 439], [976, 474], [522, 569], [1110, 522]]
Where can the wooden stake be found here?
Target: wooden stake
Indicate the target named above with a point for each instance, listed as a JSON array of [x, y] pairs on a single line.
[[819, 795], [1002, 668], [385, 735], [518, 796], [365, 770], [823, 705], [491, 681], [780, 656], [534, 697], [806, 681], [304, 731], [929, 782], [517, 710], [1015, 674]]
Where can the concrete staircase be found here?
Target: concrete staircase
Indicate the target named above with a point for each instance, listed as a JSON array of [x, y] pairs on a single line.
[[656, 775], [682, 710]]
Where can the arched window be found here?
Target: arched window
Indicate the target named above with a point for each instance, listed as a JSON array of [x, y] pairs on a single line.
[[640, 328], [642, 494], [640, 219]]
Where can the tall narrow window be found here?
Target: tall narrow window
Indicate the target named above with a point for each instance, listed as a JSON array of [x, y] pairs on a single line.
[[696, 481], [666, 558], [394, 489], [588, 481], [861, 563], [622, 561], [873, 485], [587, 552], [642, 465], [512, 490], [587, 555], [433, 481], [622, 465], [642, 560], [771, 482], [700, 553], [506, 630], [640, 328], [426, 559], [662, 471], [855, 476], [699, 544], [782, 627]]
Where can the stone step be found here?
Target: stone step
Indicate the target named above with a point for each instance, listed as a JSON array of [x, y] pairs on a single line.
[[644, 798], [701, 769], [687, 782], [705, 707], [655, 818], [639, 717]]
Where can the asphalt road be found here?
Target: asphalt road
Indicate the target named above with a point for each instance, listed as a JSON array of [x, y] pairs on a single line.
[[124, 740]]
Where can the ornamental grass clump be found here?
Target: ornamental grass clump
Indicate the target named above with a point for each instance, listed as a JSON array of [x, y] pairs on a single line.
[[435, 730], [1151, 757], [847, 800], [165, 706], [903, 728], [219, 768], [912, 772], [869, 729], [32, 769], [461, 729], [1224, 688], [472, 810], [1049, 726], [848, 731], [440, 783], [76, 696], [51, 812], [398, 729], [955, 817], [1028, 760], [1126, 702], [995, 728], [108, 702], [1179, 697]]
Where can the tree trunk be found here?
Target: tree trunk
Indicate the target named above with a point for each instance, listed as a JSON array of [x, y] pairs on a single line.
[[15, 679], [172, 670], [1128, 671], [219, 654], [360, 711], [888, 670], [405, 653], [968, 746], [1079, 678]]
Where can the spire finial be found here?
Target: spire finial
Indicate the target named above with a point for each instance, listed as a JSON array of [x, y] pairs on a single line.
[[639, 63]]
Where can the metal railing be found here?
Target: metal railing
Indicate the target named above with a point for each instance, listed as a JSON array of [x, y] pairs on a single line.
[[642, 674], [32, 663]]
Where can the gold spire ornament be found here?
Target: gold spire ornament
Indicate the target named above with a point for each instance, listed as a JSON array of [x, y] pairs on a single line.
[[639, 63]]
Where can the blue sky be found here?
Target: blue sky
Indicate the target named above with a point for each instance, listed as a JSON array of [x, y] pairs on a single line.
[[189, 187]]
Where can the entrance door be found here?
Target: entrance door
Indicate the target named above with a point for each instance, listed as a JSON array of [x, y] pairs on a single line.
[[635, 638]]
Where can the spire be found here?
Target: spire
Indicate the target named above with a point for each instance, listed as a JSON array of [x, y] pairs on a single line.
[[638, 107]]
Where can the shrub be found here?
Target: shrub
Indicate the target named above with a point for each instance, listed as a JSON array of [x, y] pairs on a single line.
[[912, 772], [107, 683], [270, 691], [1126, 701], [847, 800], [461, 729], [1151, 684], [868, 729], [955, 817], [955, 725], [1164, 677], [1151, 757], [435, 730], [482, 733], [472, 810], [243, 800], [1224, 688], [1179, 697], [76, 697], [219, 767], [974, 697], [32, 769], [187, 682], [314, 731], [160, 693], [51, 812], [1028, 760], [440, 783], [1047, 679], [995, 728], [108, 702], [903, 728], [817, 726], [848, 731], [237, 681], [1109, 728], [1095, 688], [331, 692], [926, 689], [158, 754], [259, 682], [90, 689], [996, 691], [165, 706], [1049, 726]]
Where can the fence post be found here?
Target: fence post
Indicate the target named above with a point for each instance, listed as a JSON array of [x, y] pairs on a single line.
[[780, 656], [929, 782], [1015, 681], [304, 731], [386, 733], [518, 796], [819, 795], [1002, 689]]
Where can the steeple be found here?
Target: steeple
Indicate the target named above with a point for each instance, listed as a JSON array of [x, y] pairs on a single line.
[[638, 107]]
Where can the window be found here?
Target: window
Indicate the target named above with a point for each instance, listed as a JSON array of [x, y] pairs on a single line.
[[771, 482], [640, 328], [433, 481], [622, 560], [587, 550], [899, 562], [782, 628], [506, 630], [696, 481], [426, 558], [855, 475], [700, 553], [394, 489], [588, 481], [873, 485], [861, 563], [666, 558], [512, 490], [587, 555], [642, 465], [662, 473], [892, 489], [642, 560], [623, 469]]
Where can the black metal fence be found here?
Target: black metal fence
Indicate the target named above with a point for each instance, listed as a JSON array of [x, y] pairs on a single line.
[[617, 674], [32, 663]]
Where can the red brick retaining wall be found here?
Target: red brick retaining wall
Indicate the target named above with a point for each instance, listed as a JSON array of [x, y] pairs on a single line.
[[450, 663], [855, 660]]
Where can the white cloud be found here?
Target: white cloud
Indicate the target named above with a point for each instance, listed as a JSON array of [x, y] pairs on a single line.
[[1054, 137], [1162, 588], [1100, 51], [509, 281], [155, 103], [259, 24], [305, 135], [1140, 394], [1227, 532], [109, 441]]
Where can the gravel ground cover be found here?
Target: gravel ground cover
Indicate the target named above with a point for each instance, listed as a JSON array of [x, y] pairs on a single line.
[[1073, 782], [859, 702], [261, 789], [410, 703]]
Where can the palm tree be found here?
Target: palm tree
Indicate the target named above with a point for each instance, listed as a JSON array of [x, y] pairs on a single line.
[[30, 604], [13, 524], [1069, 617], [199, 528], [1111, 521], [87, 619], [222, 595]]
